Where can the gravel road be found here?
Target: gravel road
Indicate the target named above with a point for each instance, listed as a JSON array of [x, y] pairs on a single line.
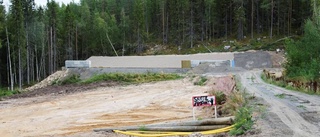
[[289, 113]]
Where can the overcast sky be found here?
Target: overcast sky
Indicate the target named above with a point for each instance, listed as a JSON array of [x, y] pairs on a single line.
[[42, 2]]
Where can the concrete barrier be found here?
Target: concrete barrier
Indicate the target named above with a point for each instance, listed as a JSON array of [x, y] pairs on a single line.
[[77, 63]]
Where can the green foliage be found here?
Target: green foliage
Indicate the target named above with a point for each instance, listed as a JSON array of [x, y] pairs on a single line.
[[142, 128], [68, 80], [301, 106], [5, 92], [286, 85], [243, 121], [303, 56], [282, 96], [235, 101], [132, 78], [220, 96], [202, 81]]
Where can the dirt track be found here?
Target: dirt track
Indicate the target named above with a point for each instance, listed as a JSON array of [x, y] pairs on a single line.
[[294, 114]]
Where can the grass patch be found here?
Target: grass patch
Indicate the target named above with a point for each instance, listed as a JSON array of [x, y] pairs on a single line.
[[220, 97], [301, 106], [131, 78], [68, 80], [287, 86], [5, 92], [142, 128], [243, 121], [238, 104], [282, 96], [202, 81]]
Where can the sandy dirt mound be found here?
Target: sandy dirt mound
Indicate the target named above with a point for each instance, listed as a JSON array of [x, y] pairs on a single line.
[[79, 113], [59, 75], [225, 84]]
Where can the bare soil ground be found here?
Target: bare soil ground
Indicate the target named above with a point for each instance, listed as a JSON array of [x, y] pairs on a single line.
[[59, 113]]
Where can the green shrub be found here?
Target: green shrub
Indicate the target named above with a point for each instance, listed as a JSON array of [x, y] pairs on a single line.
[[282, 96], [201, 82], [243, 121], [68, 80], [220, 96], [5, 92]]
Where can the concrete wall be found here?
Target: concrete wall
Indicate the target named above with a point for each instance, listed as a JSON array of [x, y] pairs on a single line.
[[77, 63], [159, 61]]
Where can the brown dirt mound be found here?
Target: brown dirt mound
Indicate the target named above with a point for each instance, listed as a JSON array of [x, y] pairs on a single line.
[[225, 84], [59, 75]]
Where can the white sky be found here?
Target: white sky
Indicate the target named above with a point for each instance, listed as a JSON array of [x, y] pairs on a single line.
[[42, 2]]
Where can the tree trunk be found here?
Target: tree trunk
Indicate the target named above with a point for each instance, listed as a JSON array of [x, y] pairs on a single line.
[[226, 24], [271, 19], [28, 55], [201, 125], [252, 12], [9, 60], [20, 66], [289, 17], [191, 26], [257, 18], [163, 17], [278, 17], [76, 42], [50, 51], [111, 44], [54, 49]]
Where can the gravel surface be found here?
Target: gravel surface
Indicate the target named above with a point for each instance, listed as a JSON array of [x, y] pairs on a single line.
[[295, 114], [253, 59]]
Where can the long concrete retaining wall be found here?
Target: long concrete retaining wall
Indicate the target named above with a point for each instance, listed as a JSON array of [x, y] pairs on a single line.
[[159, 61], [173, 63]]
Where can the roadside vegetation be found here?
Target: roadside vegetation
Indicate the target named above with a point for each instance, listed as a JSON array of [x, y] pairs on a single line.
[[5, 92], [238, 103], [201, 82], [303, 61], [127, 78], [289, 85]]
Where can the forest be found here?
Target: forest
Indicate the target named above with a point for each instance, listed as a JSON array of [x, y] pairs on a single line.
[[36, 40]]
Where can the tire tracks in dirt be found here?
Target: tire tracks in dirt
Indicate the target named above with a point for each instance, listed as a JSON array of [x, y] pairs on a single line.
[[284, 108]]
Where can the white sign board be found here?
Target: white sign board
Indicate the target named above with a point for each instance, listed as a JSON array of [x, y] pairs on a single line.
[[206, 100], [198, 101]]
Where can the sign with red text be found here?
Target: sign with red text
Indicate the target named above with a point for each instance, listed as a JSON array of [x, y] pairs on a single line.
[[198, 101]]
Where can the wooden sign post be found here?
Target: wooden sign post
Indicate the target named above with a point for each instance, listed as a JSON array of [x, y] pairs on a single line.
[[206, 100]]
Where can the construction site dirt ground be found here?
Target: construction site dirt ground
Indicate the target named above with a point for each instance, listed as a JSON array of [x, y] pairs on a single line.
[[64, 114]]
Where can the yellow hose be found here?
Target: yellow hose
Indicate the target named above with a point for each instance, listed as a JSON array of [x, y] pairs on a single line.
[[162, 134]]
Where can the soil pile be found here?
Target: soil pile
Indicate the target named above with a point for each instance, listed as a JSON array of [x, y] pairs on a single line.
[[225, 84], [59, 75]]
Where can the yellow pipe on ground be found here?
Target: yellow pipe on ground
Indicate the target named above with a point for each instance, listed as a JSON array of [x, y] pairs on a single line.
[[162, 134]]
